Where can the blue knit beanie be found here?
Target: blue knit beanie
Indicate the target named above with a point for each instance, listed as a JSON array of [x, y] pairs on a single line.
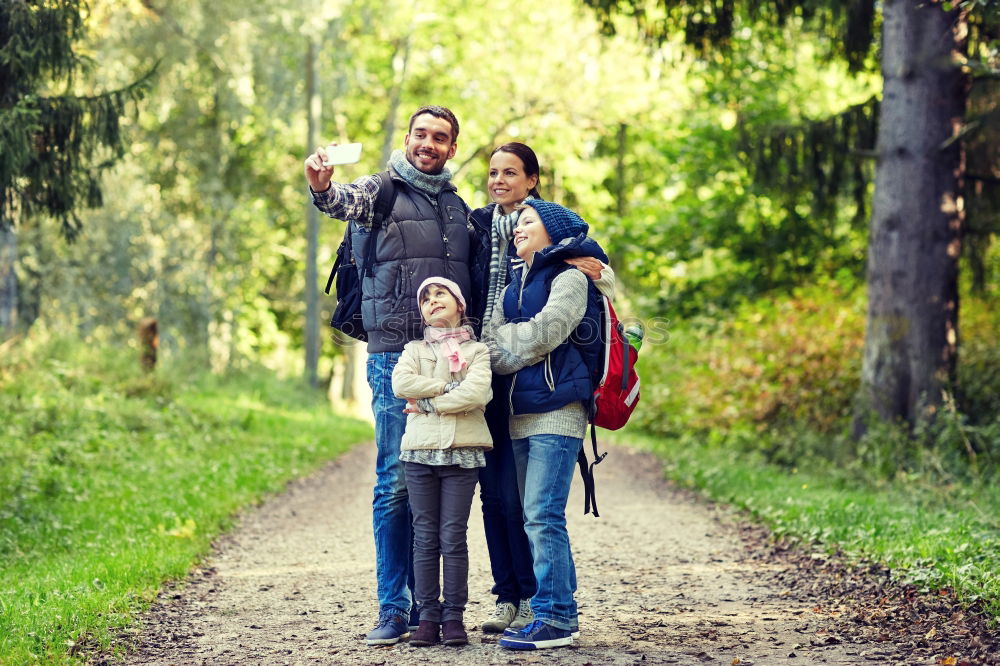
[[559, 221]]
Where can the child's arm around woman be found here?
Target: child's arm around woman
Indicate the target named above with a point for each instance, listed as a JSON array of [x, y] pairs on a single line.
[[518, 345]]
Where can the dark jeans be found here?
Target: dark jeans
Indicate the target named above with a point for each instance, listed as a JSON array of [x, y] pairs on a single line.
[[440, 498], [503, 517]]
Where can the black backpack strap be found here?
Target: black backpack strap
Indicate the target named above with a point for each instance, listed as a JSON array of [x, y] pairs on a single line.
[[587, 474], [384, 202], [345, 250]]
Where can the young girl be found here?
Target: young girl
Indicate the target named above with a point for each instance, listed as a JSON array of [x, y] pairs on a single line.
[[445, 379], [547, 387]]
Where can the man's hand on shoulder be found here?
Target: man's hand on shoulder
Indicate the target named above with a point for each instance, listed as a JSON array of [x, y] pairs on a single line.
[[590, 266], [317, 175]]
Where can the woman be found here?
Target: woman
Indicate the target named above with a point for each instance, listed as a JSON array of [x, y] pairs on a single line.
[[513, 179]]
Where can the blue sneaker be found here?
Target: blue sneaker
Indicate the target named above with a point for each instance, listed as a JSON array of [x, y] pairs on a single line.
[[574, 632], [537, 636], [389, 630]]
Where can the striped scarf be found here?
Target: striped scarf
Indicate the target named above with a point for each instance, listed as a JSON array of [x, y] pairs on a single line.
[[501, 233]]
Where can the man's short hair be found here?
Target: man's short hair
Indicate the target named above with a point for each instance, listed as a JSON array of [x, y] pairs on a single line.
[[441, 112]]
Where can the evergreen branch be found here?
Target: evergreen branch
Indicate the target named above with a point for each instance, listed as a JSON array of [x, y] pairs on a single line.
[[850, 26], [989, 179], [134, 91]]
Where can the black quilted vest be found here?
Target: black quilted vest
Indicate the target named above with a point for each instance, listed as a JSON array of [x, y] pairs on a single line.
[[421, 238]]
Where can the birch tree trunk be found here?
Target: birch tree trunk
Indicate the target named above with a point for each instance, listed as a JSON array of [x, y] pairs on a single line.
[[917, 210], [400, 66]]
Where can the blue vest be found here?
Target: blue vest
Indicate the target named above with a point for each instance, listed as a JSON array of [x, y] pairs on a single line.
[[565, 375]]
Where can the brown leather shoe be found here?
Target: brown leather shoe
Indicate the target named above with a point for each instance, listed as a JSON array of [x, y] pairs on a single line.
[[453, 633], [426, 634]]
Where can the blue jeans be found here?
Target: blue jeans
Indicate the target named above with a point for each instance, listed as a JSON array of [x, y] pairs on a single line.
[[503, 517], [390, 508], [545, 466]]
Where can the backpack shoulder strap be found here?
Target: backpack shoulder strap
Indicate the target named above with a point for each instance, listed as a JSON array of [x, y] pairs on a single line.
[[587, 468], [384, 202], [587, 473], [345, 250]]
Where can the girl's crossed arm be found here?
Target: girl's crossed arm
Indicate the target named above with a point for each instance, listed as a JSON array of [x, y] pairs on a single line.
[[407, 382], [473, 392]]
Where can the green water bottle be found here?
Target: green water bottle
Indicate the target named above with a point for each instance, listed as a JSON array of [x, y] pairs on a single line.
[[634, 336]]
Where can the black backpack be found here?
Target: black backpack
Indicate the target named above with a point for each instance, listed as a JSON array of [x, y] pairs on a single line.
[[347, 314]]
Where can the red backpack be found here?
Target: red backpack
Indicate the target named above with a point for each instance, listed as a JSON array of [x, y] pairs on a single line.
[[616, 393]]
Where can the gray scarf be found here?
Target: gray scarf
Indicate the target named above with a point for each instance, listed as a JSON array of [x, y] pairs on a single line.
[[431, 184]]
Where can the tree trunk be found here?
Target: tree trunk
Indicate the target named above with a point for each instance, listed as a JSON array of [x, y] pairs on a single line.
[[8, 282], [400, 65], [312, 226], [912, 327]]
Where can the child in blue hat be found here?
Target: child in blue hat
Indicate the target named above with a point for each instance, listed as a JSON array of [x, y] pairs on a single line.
[[548, 387]]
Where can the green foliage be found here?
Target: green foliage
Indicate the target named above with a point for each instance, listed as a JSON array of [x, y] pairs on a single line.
[[812, 168], [703, 229], [849, 27], [55, 145], [113, 480], [978, 390], [935, 536]]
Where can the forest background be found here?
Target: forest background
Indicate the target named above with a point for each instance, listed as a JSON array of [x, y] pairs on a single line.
[[732, 186]]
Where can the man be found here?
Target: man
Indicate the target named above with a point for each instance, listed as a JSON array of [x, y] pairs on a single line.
[[428, 233]]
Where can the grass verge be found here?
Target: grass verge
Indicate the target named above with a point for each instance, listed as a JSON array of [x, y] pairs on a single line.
[[934, 536], [112, 481]]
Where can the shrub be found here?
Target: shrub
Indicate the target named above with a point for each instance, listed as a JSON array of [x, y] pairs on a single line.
[[794, 360], [780, 376]]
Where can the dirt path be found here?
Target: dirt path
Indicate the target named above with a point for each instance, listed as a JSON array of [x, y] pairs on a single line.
[[663, 580]]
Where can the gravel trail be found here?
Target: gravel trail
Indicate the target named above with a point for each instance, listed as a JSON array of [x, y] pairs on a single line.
[[663, 579]]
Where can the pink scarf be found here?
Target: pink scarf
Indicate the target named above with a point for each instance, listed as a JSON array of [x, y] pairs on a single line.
[[450, 338]]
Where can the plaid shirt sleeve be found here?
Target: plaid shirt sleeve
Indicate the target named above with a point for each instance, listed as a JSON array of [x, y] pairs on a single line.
[[351, 203]]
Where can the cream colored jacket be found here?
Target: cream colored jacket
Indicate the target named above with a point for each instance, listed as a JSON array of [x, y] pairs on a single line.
[[422, 372]]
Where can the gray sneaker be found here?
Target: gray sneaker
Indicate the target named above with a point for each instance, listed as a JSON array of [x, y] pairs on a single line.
[[500, 618], [524, 615], [389, 630]]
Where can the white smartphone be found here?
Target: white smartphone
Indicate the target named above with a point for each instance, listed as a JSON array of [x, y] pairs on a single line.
[[345, 153]]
